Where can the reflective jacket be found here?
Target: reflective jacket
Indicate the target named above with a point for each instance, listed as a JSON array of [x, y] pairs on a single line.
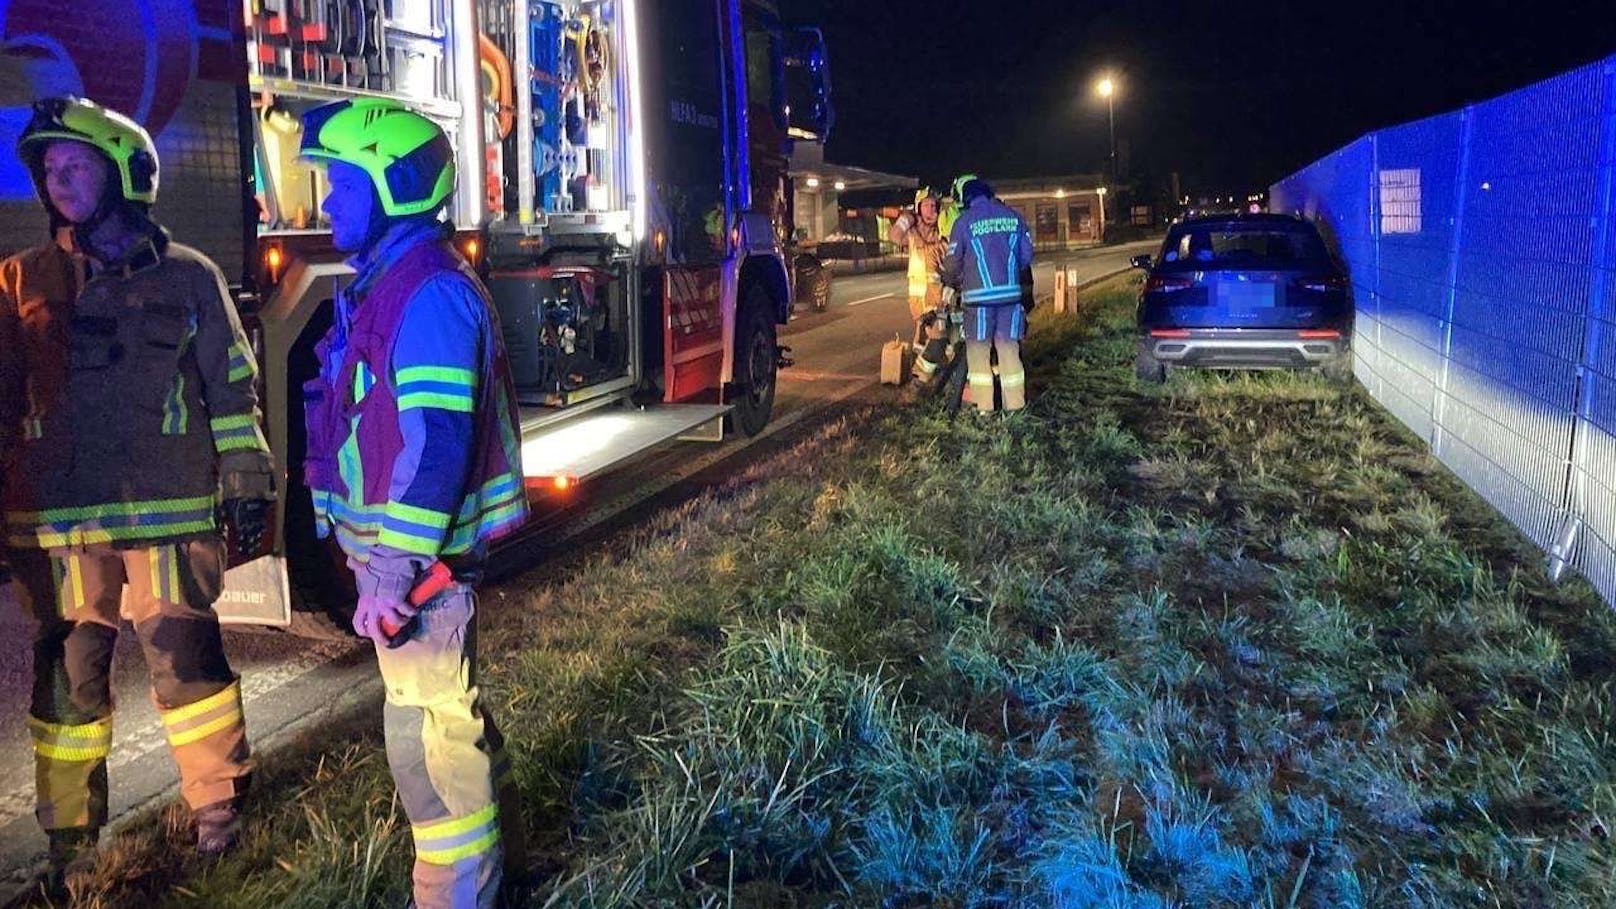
[[988, 248], [126, 397], [926, 247], [413, 449]]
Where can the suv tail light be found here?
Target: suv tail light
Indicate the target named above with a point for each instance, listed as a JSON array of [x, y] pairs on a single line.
[[1321, 284], [1167, 284], [1318, 334]]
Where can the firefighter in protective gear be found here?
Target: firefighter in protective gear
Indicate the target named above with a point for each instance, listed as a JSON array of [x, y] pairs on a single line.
[[127, 410], [950, 206], [917, 229], [989, 257], [413, 459]]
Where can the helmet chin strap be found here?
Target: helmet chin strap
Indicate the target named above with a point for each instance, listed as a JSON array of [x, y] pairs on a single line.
[[379, 222]]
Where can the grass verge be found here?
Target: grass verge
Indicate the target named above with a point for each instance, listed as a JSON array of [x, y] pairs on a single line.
[[1234, 642]]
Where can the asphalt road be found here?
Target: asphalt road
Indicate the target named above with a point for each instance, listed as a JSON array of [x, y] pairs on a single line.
[[289, 683]]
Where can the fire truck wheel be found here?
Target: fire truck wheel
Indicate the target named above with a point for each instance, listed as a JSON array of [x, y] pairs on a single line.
[[757, 358]]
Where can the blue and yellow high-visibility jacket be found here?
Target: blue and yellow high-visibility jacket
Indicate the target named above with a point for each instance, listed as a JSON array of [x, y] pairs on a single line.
[[413, 448], [988, 247]]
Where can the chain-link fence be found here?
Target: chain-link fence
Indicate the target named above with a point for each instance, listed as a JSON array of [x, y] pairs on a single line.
[[1482, 249]]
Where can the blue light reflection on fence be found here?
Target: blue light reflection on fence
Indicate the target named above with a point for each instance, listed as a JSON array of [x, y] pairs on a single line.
[[1482, 250]]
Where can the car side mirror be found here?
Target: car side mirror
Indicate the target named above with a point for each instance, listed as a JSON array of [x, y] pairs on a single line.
[[1141, 262]]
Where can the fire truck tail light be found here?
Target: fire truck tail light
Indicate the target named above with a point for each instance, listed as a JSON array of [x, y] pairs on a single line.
[[273, 260]]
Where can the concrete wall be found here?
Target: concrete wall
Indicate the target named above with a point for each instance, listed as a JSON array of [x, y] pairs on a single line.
[[817, 211]]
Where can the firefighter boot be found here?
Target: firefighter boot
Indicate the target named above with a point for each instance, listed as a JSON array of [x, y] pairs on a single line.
[[71, 857], [218, 826]]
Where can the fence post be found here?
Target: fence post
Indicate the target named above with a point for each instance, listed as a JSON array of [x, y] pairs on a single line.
[[1379, 336], [1575, 500], [1439, 396]]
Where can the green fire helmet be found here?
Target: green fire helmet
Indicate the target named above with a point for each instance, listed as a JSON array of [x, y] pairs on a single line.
[[123, 141], [959, 185], [922, 194], [408, 157]]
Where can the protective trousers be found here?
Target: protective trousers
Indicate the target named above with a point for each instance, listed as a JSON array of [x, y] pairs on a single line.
[[448, 759], [74, 596], [990, 331], [979, 373]]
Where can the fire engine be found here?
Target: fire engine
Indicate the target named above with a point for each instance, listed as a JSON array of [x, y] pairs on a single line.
[[622, 189]]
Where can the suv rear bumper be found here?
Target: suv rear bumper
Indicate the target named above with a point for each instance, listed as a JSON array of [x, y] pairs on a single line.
[[1245, 348]]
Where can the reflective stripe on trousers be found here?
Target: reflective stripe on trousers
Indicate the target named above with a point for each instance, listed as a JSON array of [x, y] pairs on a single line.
[[70, 772], [446, 755], [209, 741]]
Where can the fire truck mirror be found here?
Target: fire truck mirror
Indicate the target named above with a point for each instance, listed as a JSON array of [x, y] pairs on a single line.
[[809, 114]]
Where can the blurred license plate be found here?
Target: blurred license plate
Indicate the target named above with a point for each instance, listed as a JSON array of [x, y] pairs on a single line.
[[1246, 294]]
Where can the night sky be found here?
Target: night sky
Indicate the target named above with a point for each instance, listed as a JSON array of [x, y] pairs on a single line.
[[1232, 95]]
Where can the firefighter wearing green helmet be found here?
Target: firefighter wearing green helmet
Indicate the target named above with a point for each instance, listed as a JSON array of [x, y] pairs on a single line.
[[127, 410], [949, 208], [414, 467]]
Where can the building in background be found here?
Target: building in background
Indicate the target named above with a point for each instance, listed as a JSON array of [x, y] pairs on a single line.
[[1063, 212], [818, 209]]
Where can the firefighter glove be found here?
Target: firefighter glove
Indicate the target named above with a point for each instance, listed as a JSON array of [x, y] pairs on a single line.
[[249, 521], [380, 616]]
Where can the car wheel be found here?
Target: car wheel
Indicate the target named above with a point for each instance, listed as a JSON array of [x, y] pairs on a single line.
[[813, 282], [822, 288], [1146, 368], [757, 359], [1338, 368]]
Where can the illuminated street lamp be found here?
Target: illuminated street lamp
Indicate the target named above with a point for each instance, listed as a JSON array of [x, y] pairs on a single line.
[[1107, 89]]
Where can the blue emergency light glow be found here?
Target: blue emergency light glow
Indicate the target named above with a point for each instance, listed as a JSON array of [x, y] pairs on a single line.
[[15, 184]]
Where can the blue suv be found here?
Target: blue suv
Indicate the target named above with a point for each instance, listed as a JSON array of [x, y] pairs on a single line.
[[1244, 291]]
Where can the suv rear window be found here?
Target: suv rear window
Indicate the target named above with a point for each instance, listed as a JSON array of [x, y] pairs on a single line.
[[1237, 245]]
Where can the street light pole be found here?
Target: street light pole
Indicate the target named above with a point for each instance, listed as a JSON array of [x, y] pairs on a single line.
[[1108, 90], [1111, 118]]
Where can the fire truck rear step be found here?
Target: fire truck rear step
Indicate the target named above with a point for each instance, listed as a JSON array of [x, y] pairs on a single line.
[[577, 449]]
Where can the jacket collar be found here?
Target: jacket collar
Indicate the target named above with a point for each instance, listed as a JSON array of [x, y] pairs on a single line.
[[136, 244], [394, 242]]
